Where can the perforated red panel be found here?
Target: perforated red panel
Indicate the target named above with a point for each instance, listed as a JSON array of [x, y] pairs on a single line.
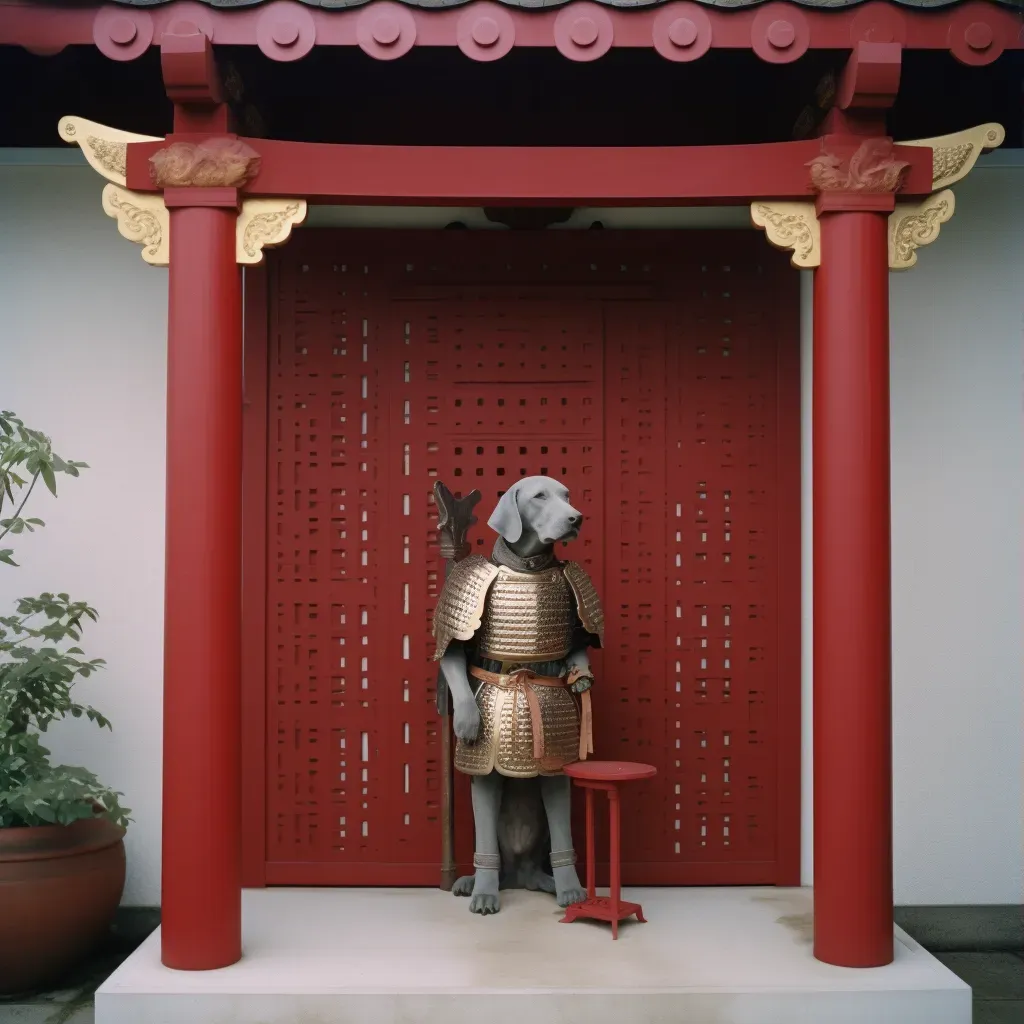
[[643, 371]]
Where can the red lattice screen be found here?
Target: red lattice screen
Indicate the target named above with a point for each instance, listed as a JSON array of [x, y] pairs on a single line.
[[656, 375]]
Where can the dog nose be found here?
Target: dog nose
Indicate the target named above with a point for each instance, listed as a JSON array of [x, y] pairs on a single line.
[[575, 519]]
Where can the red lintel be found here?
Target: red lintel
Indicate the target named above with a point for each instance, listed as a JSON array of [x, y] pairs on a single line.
[[535, 176]]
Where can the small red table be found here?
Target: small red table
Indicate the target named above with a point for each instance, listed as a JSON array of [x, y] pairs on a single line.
[[606, 775]]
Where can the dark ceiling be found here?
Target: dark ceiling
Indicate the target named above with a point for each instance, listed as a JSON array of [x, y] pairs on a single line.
[[532, 96]]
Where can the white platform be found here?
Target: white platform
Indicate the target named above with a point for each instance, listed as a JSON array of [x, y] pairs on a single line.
[[414, 956]]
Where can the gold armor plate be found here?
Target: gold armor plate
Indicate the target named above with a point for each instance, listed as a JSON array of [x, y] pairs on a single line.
[[516, 616], [528, 617]]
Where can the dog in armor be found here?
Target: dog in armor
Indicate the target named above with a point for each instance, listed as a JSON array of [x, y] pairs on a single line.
[[512, 635]]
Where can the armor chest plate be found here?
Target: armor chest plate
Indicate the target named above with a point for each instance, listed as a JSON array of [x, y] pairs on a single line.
[[529, 616]]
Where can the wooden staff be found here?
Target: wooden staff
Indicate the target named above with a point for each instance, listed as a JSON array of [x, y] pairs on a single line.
[[454, 518]]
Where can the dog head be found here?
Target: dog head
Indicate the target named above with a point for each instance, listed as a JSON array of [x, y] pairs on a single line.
[[536, 505]]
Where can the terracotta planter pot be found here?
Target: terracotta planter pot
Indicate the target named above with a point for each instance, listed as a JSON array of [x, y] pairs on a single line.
[[59, 888]]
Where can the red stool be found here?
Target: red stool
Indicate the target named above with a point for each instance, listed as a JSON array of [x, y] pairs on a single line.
[[606, 775]]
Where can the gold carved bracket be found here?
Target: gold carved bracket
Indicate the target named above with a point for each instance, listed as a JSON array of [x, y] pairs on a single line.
[[791, 226], [265, 223], [140, 218], [105, 148], [912, 225], [954, 156]]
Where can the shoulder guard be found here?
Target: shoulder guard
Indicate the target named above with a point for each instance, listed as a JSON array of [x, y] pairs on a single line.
[[588, 604], [460, 610]]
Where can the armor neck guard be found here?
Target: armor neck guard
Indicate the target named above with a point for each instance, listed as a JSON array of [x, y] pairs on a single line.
[[504, 555]]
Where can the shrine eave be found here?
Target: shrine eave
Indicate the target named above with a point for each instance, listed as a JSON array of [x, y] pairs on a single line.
[[976, 32]]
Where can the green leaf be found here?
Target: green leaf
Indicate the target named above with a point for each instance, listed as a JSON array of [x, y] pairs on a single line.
[[5, 556], [48, 478]]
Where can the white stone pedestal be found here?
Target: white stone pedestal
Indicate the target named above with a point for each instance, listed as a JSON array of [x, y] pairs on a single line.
[[414, 956]]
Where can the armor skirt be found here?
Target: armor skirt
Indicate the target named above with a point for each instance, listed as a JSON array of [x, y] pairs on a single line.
[[506, 743]]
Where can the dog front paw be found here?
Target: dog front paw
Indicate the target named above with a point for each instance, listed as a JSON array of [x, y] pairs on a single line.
[[485, 903], [467, 722]]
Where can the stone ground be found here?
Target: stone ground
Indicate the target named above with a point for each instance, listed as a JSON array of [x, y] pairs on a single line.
[[997, 980]]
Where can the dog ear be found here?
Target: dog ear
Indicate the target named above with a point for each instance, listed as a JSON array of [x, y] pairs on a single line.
[[505, 519]]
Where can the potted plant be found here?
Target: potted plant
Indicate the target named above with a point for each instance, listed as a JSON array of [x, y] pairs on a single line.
[[61, 852]]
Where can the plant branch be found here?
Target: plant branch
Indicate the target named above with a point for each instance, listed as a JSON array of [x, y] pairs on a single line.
[[17, 513]]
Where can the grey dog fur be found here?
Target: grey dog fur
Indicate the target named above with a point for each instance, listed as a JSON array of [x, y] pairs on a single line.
[[521, 820]]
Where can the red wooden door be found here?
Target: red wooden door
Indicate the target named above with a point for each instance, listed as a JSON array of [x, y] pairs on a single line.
[[657, 375]]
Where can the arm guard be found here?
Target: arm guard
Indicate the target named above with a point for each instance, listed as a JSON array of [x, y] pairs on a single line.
[[588, 604]]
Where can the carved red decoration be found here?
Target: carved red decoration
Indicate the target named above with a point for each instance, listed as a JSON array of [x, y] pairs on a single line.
[[682, 32], [878, 22], [872, 168], [213, 163], [975, 38], [780, 33], [583, 32], [286, 31], [486, 32], [122, 34], [386, 30]]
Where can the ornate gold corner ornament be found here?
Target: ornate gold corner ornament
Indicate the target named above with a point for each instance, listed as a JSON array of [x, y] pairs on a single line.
[[140, 218], [105, 148], [264, 223], [912, 225], [791, 226], [954, 156]]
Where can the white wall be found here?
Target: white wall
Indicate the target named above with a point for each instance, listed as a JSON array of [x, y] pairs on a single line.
[[958, 499], [82, 357], [82, 353]]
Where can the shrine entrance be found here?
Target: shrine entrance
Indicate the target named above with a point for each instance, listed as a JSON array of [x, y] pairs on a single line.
[[657, 374]]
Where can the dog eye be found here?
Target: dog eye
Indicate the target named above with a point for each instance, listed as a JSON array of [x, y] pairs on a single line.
[[541, 495]]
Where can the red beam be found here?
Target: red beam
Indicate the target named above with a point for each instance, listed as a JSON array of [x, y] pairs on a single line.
[[583, 176], [976, 33]]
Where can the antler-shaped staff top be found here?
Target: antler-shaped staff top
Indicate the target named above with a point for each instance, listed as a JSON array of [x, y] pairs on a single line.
[[454, 519]]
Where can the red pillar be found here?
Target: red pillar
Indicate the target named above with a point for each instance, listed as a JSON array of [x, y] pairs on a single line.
[[853, 922], [201, 913]]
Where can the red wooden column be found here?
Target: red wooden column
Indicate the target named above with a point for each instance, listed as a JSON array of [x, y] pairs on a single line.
[[853, 922], [201, 913]]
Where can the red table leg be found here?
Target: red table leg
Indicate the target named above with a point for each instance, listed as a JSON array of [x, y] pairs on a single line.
[[591, 854], [614, 865]]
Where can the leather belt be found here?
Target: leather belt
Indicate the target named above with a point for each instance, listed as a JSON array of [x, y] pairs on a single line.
[[523, 681]]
